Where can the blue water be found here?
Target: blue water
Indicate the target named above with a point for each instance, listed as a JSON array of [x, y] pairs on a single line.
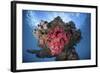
[[30, 20]]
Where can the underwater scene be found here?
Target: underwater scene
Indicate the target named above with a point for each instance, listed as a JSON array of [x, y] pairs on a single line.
[[55, 36]]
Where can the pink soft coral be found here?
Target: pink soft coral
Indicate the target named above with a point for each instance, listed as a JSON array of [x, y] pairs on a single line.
[[57, 39]]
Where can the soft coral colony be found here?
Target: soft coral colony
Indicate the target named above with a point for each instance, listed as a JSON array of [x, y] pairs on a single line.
[[57, 39]]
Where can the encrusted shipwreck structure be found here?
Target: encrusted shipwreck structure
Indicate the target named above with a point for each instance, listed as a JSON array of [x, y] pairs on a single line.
[[57, 39]]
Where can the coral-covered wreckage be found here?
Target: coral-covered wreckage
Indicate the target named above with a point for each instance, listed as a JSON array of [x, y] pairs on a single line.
[[57, 39]]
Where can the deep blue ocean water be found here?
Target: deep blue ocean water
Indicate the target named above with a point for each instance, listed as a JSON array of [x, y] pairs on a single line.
[[30, 20]]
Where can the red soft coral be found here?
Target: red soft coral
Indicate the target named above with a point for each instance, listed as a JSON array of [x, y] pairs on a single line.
[[57, 39]]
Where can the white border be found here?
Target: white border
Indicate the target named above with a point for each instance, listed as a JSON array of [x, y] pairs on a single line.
[[37, 65]]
